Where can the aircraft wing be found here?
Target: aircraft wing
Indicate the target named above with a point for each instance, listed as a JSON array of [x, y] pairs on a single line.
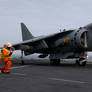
[[39, 40]]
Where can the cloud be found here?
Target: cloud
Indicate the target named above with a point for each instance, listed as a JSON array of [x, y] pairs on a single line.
[[41, 16]]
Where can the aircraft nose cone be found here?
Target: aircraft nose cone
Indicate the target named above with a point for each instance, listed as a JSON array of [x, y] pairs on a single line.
[[89, 26]]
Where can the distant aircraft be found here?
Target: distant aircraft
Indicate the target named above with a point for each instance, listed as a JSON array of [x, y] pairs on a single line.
[[68, 44]]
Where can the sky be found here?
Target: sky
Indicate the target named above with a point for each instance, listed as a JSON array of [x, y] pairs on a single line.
[[42, 17]]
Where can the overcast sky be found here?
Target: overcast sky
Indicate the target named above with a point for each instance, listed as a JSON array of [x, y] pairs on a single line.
[[42, 17]]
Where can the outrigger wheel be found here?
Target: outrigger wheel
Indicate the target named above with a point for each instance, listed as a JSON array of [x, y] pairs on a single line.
[[22, 54]]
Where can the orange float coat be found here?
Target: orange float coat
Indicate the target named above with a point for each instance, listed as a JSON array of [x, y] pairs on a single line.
[[5, 57]]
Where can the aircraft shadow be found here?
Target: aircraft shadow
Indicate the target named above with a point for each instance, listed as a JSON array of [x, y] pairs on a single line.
[[42, 63]]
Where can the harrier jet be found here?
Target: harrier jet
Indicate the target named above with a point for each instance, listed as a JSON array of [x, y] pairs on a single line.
[[67, 44]]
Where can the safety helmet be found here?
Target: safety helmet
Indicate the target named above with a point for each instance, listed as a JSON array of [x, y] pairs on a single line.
[[9, 45]]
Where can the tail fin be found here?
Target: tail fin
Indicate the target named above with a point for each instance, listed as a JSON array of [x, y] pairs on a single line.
[[26, 34]]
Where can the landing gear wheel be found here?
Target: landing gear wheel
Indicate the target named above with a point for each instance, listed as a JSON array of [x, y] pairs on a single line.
[[77, 62], [84, 63], [54, 61], [22, 62]]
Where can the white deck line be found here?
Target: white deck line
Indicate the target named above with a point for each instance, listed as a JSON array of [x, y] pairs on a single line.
[[18, 67], [73, 81]]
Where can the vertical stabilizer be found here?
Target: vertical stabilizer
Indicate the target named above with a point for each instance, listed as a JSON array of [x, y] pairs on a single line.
[[26, 34]]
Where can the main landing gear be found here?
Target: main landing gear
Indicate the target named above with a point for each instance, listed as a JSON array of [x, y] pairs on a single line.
[[80, 62], [54, 61]]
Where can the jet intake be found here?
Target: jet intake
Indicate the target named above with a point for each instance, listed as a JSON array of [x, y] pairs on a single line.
[[80, 39], [83, 39]]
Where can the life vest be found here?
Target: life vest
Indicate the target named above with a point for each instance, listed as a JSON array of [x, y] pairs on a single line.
[[5, 54]]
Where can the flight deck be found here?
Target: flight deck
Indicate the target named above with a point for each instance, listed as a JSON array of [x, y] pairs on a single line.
[[40, 76]]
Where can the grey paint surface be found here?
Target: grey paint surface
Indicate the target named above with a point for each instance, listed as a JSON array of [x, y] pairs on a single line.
[[55, 44], [41, 16]]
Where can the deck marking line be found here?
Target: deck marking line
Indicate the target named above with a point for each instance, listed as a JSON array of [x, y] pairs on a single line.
[[18, 74], [73, 81], [17, 67]]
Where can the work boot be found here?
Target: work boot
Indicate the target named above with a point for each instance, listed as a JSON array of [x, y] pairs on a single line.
[[2, 71]]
